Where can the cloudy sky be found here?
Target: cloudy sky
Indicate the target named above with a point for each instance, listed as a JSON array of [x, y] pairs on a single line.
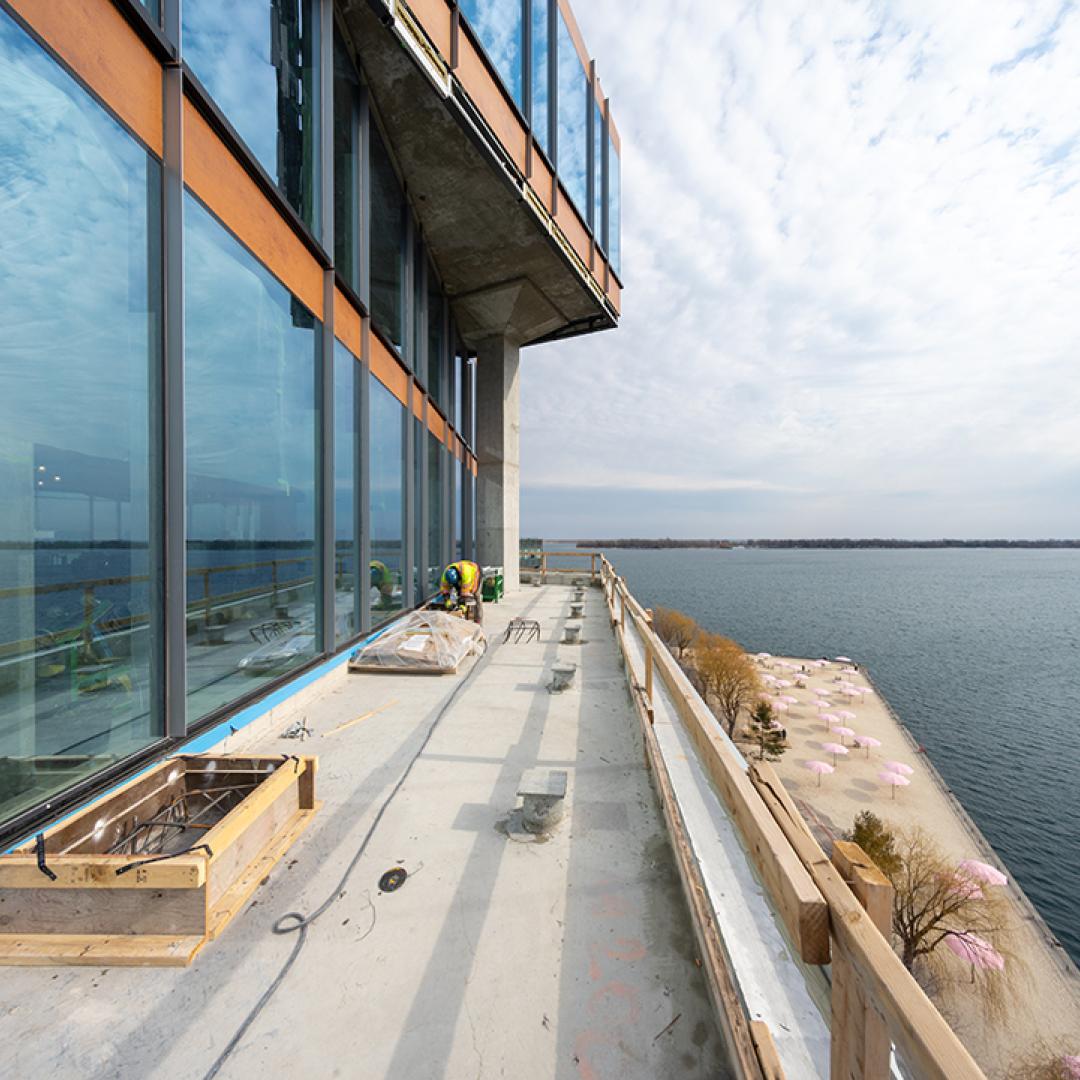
[[852, 261]]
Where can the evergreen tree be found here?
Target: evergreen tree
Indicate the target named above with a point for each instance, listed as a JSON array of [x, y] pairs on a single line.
[[765, 731]]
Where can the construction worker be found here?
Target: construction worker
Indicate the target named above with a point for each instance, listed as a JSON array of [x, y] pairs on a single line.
[[383, 581], [461, 580]]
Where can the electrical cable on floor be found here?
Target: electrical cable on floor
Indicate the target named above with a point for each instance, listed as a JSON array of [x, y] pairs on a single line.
[[295, 922]]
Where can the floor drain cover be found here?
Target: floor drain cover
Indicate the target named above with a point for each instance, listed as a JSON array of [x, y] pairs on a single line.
[[393, 879]]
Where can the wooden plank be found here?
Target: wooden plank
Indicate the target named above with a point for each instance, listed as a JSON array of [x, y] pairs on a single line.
[[102, 911], [768, 1058], [98, 950], [799, 903], [929, 1047], [99, 872], [229, 903]]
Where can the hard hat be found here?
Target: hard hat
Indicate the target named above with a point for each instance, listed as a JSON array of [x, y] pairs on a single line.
[[453, 576]]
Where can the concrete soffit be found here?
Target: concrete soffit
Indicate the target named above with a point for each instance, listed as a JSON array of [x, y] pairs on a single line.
[[504, 267]]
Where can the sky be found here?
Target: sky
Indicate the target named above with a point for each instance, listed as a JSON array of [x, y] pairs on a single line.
[[851, 256]]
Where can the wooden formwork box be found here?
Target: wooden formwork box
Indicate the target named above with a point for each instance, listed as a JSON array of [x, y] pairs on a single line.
[[139, 910]]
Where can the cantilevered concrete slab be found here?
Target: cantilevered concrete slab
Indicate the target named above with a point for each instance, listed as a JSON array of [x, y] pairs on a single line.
[[504, 272], [571, 957]]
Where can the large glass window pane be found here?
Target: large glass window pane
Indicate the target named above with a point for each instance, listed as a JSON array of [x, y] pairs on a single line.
[[250, 433], [572, 151], [419, 359], [79, 306], [497, 23], [419, 580], [436, 342], [597, 220], [459, 494], [387, 500], [614, 225], [259, 61], [540, 72], [387, 239], [346, 538], [436, 555], [346, 165]]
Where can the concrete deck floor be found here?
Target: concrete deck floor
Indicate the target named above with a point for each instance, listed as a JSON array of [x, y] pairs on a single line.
[[572, 958]]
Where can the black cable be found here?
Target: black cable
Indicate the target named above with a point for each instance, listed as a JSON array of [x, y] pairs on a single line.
[[294, 921]]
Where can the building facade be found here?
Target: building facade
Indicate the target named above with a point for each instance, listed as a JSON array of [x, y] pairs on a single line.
[[266, 269]]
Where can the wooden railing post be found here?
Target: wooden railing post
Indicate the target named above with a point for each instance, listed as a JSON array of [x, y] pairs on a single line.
[[861, 1046]]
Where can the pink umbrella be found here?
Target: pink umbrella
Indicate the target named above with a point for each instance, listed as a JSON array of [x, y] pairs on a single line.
[[778, 706], [864, 690], [899, 767], [764, 656], [849, 671], [976, 951], [821, 703], [784, 682], [788, 699], [829, 719], [821, 691], [867, 741], [835, 749], [894, 779], [842, 731], [819, 767], [845, 714], [981, 871], [843, 659], [1071, 1064]]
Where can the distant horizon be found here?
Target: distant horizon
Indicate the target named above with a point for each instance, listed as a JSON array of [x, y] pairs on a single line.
[[973, 541]]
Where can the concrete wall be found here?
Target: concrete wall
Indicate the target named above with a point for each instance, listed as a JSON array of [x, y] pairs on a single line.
[[498, 439]]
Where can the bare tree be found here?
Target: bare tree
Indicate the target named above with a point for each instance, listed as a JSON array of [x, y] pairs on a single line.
[[1046, 1061], [676, 630], [728, 675]]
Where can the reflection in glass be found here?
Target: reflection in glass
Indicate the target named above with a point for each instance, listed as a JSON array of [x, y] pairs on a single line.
[[419, 581], [418, 358], [346, 452], [79, 306], [573, 100], [387, 500], [497, 23], [539, 78], [459, 494], [154, 7], [346, 165], [436, 341], [597, 219], [387, 239], [250, 429], [258, 60], [614, 224], [436, 555]]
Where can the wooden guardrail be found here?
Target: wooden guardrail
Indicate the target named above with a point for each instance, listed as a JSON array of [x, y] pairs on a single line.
[[834, 910]]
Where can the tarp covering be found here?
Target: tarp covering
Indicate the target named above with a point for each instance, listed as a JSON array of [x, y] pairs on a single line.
[[431, 641]]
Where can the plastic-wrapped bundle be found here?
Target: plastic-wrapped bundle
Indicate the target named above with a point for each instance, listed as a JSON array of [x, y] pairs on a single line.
[[425, 642]]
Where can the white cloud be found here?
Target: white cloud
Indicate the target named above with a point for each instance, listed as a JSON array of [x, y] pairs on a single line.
[[852, 263]]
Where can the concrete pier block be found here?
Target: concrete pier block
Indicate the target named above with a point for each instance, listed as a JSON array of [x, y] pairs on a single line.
[[576, 610], [543, 794], [562, 676], [572, 633]]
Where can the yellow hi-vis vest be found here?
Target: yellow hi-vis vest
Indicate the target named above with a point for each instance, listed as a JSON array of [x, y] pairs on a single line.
[[470, 578]]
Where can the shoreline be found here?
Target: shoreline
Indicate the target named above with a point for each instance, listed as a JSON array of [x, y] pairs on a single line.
[[1046, 987]]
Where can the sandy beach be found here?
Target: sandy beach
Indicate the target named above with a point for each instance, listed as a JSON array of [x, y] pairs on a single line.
[[1047, 1006]]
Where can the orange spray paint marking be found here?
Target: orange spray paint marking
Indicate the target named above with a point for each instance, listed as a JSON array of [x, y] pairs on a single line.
[[630, 949]]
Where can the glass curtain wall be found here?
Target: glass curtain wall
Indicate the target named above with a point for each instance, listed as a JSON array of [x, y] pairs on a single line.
[[80, 303], [250, 431], [572, 152], [498, 25], [387, 516], [347, 450], [435, 555], [347, 165], [596, 219], [540, 114], [259, 62], [387, 243], [612, 238], [436, 341], [420, 580]]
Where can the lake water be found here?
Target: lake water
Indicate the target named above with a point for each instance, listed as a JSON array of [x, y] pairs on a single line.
[[978, 652]]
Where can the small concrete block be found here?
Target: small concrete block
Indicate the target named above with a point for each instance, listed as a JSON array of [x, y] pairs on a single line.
[[576, 610], [572, 633], [542, 792], [562, 676], [543, 782]]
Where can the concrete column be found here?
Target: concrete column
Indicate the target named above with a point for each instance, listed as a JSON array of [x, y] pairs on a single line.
[[498, 438]]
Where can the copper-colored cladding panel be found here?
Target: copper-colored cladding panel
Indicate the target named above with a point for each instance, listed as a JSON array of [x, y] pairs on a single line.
[[472, 460], [540, 181], [220, 181], [348, 324], [436, 425], [434, 17], [614, 292], [571, 224], [385, 368], [488, 97], [418, 403], [95, 41]]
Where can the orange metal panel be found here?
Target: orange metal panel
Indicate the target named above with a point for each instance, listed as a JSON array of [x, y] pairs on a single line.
[[418, 402], [385, 368], [540, 180], [472, 462], [212, 172], [436, 425], [434, 17], [571, 224], [95, 41], [614, 292], [488, 98], [348, 323]]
